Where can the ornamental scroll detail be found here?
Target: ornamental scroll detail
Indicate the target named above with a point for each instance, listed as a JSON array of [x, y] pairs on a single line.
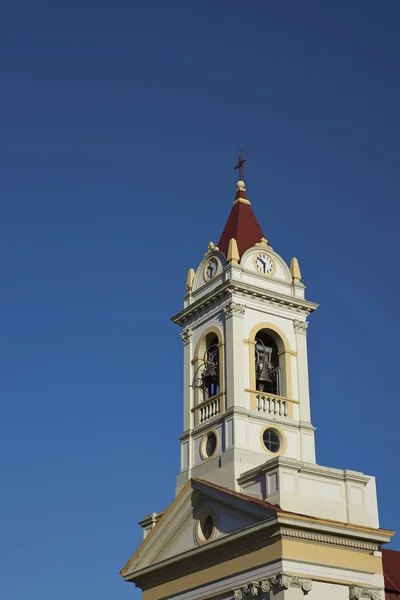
[[186, 336], [234, 308], [300, 326], [275, 584], [356, 591]]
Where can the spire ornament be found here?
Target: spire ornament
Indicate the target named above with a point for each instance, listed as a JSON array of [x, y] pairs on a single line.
[[240, 166]]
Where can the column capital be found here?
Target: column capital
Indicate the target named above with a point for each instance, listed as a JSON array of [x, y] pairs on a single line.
[[355, 591], [300, 326], [234, 308], [186, 335], [274, 584]]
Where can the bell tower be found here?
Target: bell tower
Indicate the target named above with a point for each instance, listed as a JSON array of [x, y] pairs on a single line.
[[254, 515], [244, 321]]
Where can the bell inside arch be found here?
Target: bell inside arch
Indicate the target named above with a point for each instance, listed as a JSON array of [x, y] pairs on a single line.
[[267, 364]]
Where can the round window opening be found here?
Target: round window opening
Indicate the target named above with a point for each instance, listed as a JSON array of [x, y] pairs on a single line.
[[207, 527], [271, 440], [211, 445]]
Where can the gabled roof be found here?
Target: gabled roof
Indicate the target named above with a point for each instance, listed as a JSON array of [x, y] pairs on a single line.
[[169, 532], [241, 225], [171, 519]]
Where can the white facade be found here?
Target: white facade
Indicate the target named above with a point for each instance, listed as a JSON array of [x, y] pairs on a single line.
[[235, 304]]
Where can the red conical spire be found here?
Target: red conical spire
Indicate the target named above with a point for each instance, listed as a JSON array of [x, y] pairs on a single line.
[[241, 224]]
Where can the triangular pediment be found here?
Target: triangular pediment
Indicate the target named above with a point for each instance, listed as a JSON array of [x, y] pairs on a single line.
[[182, 527]]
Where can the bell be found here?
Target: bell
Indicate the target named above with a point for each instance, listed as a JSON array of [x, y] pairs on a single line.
[[264, 381]]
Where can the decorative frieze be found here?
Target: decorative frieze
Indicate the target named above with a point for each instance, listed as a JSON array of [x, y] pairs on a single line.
[[186, 335], [356, 591], [234, 308], [273, 584], [300, 326]]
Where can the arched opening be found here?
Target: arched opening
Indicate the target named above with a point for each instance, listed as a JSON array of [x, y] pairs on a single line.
[[208, 363], [210, 372], [267, 367]]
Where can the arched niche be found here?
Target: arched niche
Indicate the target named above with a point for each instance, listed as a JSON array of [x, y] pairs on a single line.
[[210, 342], [280, 346]]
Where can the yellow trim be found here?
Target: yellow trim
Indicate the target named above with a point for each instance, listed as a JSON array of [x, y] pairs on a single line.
[[217, 272], [261, 251], [282, 549], [328, 555], [283, 350], [198, 534], [282, 437], [217, 571], [202, 447]]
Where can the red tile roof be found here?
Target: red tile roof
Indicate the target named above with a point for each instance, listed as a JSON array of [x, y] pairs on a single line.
[[241, 225], [391, 572]]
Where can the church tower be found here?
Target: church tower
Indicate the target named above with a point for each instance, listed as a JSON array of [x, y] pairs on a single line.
[[246, 396], [254, 514]]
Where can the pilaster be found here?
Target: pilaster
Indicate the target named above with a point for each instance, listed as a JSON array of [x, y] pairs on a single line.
[[187, 335], [300, 329], [234, 346]]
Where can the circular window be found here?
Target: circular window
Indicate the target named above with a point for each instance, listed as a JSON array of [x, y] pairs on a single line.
[[271, 440], [207, 527], [211, 444]]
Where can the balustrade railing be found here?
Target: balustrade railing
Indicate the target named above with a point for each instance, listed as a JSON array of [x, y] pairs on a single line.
[[209, 409], [272, 405]]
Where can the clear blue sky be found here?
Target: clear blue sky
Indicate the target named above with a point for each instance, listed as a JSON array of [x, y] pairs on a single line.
[[120, 124]]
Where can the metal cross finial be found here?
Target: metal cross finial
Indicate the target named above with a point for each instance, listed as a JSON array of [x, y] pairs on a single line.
[[240, 164]]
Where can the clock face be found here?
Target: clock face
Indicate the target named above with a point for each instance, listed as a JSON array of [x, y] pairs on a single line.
[[264, 263], [211, 269]]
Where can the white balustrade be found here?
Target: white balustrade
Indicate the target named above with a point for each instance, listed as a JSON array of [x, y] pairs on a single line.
[[272, 405], [209, 409]]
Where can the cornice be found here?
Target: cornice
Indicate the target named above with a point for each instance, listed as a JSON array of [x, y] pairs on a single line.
[[186, 316], [307, 468], [284, 525]]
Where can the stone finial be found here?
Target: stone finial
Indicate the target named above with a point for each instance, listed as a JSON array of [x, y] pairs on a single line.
[[189, 280], [211, 248], [233, 252], [241, 186], [295, 269], [264, 243]]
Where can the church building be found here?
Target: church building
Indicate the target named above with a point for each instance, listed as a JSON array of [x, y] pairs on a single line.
[[255, 515]]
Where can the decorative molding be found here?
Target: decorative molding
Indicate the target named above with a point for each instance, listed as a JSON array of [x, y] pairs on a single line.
[[234, 308], [185, 517], [356, 591], [203, 304], [300, 326], [186, 335], [264, 243], [329, 540], [274, 584]]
